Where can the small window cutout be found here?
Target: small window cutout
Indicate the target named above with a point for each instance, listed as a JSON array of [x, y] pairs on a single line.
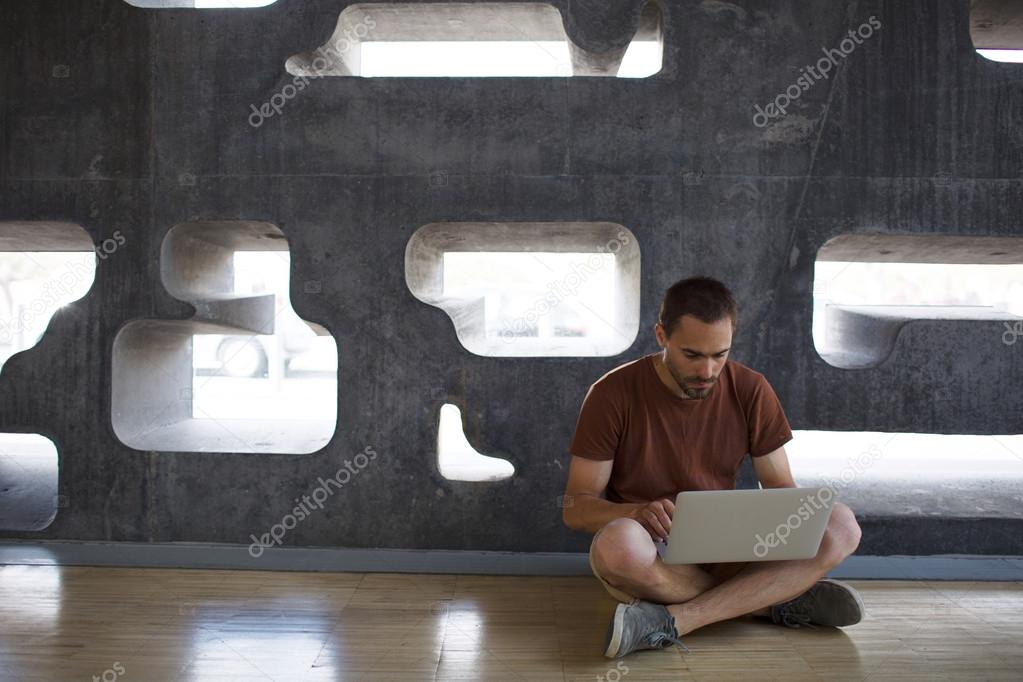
[[513, 283], [1010, 56], [866, 287], [913, 474], [472, 40], [200, 4], [43, 267], [246, 373], [28, 482], [457, 460], [465, 58], [530, 289], [996, 28]]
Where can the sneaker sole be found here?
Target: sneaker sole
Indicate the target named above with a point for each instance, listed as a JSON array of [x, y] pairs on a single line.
[[853, 593], [616, 633]]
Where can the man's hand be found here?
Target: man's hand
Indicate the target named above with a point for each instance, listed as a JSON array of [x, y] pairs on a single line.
[[656, 518]]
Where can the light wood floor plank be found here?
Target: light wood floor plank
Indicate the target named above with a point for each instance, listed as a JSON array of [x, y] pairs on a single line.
[[63, 623]]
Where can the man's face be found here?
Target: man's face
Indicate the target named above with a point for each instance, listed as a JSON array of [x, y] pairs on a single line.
[[695, 352]]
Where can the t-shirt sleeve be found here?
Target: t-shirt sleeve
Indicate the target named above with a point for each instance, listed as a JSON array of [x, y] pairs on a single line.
[[768, 427], [598, 430]]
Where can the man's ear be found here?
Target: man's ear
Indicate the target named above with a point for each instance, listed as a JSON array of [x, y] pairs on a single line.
[[657, 334]]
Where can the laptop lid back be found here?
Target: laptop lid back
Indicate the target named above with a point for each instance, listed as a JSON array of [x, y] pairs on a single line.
[[712, 526]]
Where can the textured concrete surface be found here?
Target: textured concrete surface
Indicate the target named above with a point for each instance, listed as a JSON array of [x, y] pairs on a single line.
[[123, 119]]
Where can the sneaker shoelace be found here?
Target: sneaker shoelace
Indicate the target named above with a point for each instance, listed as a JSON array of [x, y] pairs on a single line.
[[663, 638], [795, 617]]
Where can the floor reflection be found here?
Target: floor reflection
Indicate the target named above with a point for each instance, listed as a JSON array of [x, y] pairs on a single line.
[[63, 623]]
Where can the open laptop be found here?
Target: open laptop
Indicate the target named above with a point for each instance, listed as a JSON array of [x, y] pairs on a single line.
[[713, 526]]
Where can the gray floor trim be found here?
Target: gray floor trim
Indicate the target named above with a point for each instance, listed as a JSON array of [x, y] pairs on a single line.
[[189, 555]]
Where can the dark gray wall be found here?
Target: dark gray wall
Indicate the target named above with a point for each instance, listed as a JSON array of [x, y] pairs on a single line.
[[913, 134]]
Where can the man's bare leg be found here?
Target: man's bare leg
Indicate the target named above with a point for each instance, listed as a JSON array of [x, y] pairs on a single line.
[[759, 585], [763, 584], [627, 558], [719, 574], [696, 598]]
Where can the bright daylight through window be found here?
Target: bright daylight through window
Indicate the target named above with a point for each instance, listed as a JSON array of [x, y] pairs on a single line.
[[286, 375], [471, 40]]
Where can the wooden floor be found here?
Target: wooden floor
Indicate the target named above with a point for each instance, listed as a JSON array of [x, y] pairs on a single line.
[[148, 624]]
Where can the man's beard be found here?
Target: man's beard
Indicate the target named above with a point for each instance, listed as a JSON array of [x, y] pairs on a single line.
[[694, 393]]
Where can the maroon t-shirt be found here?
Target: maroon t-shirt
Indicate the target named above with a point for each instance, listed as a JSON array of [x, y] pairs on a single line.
[[663, 444]]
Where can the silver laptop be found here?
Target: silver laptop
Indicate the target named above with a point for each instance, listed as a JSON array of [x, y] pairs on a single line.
[[712, 526]]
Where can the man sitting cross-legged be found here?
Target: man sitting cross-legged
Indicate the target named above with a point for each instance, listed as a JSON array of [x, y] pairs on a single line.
[[683, 419]]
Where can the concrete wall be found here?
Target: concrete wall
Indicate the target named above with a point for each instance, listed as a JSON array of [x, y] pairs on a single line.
[[123, 119]]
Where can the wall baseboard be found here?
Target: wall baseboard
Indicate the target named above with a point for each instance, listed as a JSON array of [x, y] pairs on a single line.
[[214, 556]]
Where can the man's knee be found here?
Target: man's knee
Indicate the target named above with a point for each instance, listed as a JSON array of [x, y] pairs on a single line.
[[622, 548], [841, 537]]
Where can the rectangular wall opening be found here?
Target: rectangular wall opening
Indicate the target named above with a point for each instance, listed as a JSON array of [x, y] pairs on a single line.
[[199, 4], [245, 373], [866, 287], [914, 474], [530, 289], [996, 28], [28, 482], [513, 284], [473, 40], [43, 267]]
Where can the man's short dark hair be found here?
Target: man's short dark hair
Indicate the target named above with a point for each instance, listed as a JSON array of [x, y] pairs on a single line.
[[704, 298]]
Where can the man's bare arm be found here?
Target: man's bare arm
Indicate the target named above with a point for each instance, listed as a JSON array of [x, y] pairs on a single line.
[[773, 470], [583, 507]]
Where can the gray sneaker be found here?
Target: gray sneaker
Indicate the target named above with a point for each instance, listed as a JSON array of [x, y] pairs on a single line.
[[640, 625], [828, 602]]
